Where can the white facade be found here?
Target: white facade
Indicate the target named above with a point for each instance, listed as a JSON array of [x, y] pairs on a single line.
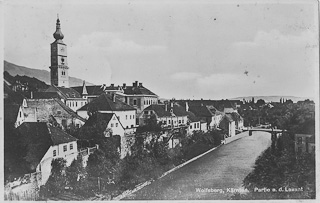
[[116, 127], [215, 120], [204, 126], [232, 128], [194, 126], [20, 118], [76, 103], [67, 151]]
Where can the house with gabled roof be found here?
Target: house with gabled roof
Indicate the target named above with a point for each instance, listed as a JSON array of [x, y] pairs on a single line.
[[111, 104], [42, 110], [227, 124], [238, 120], [43, 143], [14, 114], [136, 95], [14, 106], [69, 96], [112, 127], [170, 115]]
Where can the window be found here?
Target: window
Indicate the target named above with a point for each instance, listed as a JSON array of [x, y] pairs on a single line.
[[182, 121], [20, 114], [132, 116], [111, 125], [126, 117], [116, 124], [198, 124], [195, 125], [169, 121], [190, 126], [299, 140], [76, 104], [146, 112], [179, 121], [54, 153], [58, 112], [71, 146], [65, 148], [134, 102]]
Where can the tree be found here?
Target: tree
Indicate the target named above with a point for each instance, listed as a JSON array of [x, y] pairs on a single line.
[[260, 102], [57, 179], [151, 125]]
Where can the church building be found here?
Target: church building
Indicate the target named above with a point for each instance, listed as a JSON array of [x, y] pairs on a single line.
[[59, 73]]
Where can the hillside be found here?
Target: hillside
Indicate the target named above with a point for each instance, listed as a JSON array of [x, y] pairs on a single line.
[[42, 75], [273, 98]]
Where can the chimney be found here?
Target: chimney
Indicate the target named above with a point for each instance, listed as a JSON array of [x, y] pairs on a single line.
[[135, 84], [113, 97], [112, 85], [187, 106], [31, 95], [166, 106], [140, 84], [124, 85]]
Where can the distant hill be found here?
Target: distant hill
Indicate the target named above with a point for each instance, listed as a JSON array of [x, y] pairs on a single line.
[[273, 98], [33, 83], [42, 75]]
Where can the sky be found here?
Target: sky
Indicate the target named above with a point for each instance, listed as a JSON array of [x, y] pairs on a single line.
[[177, 49]]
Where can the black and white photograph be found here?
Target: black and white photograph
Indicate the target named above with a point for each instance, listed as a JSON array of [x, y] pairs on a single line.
[[176, 100]]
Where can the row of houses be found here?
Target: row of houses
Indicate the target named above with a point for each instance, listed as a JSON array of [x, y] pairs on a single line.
[[43, 118]]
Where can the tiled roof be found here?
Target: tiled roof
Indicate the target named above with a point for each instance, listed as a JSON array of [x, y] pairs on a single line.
[[192, 117], [11, 112], [104, 103], [69, 110], [37, 139], [91, 90], [200, 111], [98, 117], [218, 104], [46, 95], [58, 136], [139, 90], [159, 109], [64, 91]]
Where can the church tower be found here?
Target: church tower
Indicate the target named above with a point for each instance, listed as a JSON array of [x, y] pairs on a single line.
[[59, 63]]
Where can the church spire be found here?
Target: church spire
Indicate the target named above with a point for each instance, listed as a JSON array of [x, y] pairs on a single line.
[[58, 34]]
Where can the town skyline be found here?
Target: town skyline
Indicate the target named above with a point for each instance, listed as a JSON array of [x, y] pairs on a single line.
[[177, 50]]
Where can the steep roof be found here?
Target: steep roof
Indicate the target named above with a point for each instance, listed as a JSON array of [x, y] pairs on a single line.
[[192, 117], [37, 137], [64, 91], [98, 117], [46, 95], [138, 90], [159, 109], [200, 111], [11, 112], [105, 103], [69, 110], [58, 136], [91, 90]]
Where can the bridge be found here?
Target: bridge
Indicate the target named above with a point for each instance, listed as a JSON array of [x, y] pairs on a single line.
[[270, 130]]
